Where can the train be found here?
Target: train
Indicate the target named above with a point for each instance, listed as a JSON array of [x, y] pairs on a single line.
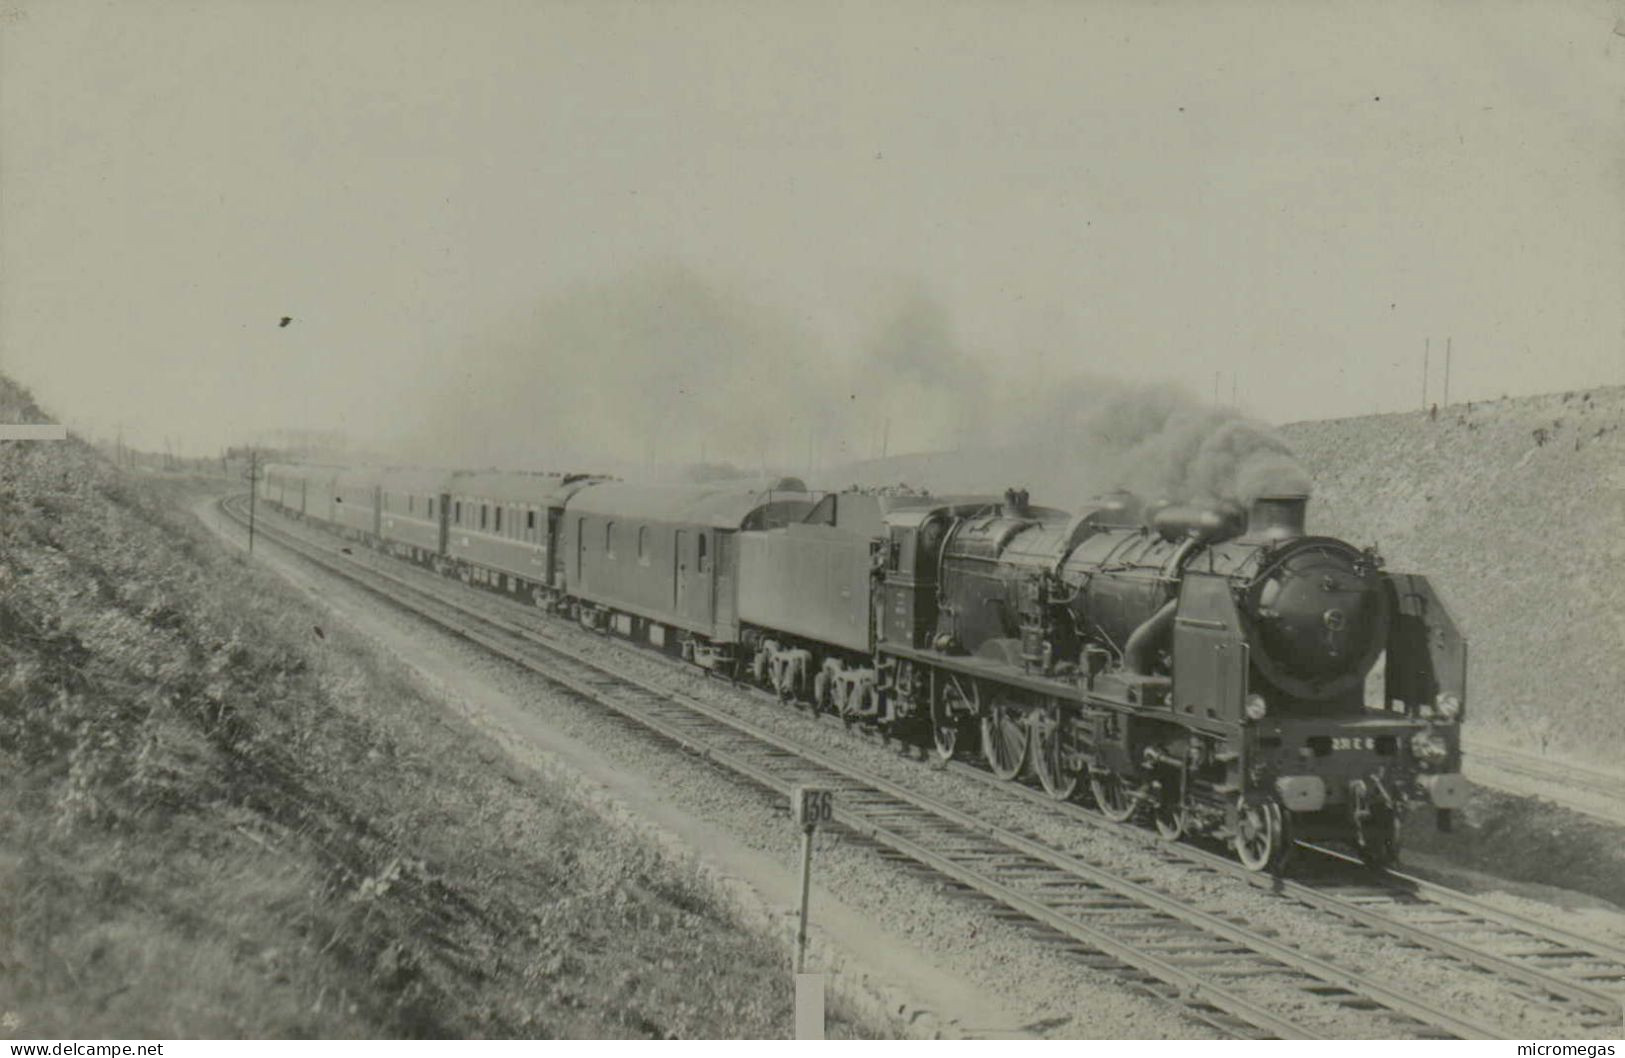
[[1213, 670]]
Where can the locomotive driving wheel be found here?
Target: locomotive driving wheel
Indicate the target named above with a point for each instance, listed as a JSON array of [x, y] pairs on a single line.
[[1054, 758], [1170, 812], [1261, 840], [947, 708], [1004, 739], [1115, 799], [1172, 821]]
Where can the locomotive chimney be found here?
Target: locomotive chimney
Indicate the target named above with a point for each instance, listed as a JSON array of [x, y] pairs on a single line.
[[1015, 503], [1277, 518]]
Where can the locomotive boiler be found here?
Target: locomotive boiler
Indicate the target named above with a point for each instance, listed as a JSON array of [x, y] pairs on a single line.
[[1210, 667]]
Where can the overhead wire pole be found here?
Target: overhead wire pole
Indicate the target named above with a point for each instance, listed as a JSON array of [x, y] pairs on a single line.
[[1448, 342], [253, 476]]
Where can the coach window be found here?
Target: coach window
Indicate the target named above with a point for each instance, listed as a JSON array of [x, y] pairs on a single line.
[[499, 521], [411, 503], [485, 515], [704, 565], [431, 506], [609, 540], [530, 526], [457, 512], [643, 545]]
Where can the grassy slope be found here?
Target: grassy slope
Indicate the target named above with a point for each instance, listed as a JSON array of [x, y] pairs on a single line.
[[1527, 541], [214, 823]]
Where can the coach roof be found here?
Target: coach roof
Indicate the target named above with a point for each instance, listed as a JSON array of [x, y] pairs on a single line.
[[512, 486], [719, 504], [416, 480]]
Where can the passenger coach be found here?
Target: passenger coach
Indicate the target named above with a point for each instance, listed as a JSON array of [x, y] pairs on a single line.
[[411, 523], [355, 503], [660, 562], [502, 527], [302, 490]]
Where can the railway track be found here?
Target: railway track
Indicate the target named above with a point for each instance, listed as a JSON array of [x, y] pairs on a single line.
[[1583, 977], [1601, 793], [1221, 972]]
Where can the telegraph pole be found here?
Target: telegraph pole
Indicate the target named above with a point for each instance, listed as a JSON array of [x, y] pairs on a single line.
[[253, 478]]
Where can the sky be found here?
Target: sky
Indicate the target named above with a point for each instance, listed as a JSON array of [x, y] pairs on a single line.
[[804, 231]]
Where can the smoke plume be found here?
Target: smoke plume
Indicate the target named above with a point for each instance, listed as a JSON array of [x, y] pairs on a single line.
[[664, 374], [1159, 442]]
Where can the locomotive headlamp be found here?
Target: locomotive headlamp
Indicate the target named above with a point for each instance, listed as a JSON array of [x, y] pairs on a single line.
[[1449, 706], [1256, 707], [1429, 747]]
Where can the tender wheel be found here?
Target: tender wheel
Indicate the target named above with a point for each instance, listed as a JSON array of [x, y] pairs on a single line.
[[1113, 797], [1058, 771], [820, 693], [1004, 740], [780, 682], [852, 705], [1261, 840]]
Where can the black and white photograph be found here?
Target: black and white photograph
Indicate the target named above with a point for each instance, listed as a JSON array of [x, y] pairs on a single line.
[[982, 520]]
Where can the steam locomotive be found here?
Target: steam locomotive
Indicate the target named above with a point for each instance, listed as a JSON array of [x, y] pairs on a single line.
[[1217, 670]]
